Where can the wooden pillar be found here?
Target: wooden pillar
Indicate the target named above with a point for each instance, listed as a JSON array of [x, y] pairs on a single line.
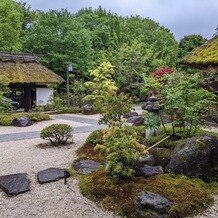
[[33, 95], [27, 97]]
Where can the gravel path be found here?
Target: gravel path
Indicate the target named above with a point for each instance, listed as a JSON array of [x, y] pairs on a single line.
[[47, 200]]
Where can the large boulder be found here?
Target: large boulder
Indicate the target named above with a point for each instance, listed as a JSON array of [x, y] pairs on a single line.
[[86, 166], [148, 171], [22, 122], [152, 205], [196, 157], [50, 175], [14, 184]]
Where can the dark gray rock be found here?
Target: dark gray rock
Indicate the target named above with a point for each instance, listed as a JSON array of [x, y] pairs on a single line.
[[139, 122], [152, 201], [196, 157], [22, 122], [132, 119], [136, 120], [50, 175], [148, 171], [87, 108], [146, 160], [86, 166], [131, 114], [14, 184]]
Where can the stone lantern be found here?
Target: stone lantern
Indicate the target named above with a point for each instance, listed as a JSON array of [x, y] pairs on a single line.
[[153, 106]]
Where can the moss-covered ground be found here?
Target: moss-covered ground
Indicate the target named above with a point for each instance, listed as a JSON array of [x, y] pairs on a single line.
[[189, 196]]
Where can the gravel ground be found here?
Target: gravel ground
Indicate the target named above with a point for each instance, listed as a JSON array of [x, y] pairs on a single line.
[[212, 212], [39, 126], [54, 200], [47, 200]]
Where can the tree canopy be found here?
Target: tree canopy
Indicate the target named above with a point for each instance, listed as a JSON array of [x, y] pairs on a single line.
[[10, 25], [134, 45]]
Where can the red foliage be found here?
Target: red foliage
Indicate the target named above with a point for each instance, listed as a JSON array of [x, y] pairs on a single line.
[[160, 72]]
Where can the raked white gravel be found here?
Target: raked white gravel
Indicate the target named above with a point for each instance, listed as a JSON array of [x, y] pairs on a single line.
[[52, 200]]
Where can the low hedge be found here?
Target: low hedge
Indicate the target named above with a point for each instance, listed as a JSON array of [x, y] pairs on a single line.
[[6, 119]]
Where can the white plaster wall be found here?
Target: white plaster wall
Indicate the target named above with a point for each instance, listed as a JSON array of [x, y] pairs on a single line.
[[43, 96]]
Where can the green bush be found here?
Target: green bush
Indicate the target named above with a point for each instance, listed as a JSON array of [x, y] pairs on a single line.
[[96, 137], [69, 110], [122, 153], [6, 120], [36, 117], [57, 134]]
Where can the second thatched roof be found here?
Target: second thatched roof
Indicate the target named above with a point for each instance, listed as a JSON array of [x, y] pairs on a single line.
[[205, 55], [20, 68]]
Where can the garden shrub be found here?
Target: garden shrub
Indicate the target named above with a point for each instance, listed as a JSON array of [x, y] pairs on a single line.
[[122, 153], [36, 117], [6, 120], [96, 137], [57, 133]]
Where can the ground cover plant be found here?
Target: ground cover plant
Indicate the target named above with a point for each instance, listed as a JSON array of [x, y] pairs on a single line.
[[189, 196], [6, 119]]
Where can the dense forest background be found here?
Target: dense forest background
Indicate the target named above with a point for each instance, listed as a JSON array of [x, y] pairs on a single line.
[[136, 46]]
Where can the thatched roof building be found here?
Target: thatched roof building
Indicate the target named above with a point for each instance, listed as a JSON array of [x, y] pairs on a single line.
[[203, 56], [29, 79], [25, 68]]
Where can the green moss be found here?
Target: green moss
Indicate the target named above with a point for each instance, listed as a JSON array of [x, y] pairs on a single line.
[[87, 151], [201, 145], [205, 54], [28, 73], [189, 196], [162, 156]]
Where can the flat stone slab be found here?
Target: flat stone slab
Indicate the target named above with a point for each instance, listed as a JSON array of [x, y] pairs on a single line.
[[50, 175], [86, 166], [14, 184]]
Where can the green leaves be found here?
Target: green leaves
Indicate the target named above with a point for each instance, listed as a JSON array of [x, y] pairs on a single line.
[[10, 25], [122, 150], [104, 97]]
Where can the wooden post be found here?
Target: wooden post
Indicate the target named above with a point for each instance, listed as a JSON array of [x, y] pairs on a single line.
[[27, 97]]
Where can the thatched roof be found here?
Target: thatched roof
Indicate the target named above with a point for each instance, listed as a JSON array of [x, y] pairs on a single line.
[[205, 55], [24, 68]]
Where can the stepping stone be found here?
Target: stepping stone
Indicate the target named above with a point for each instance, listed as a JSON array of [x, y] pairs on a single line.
[[14, 184], [86, 166], [50, 175]]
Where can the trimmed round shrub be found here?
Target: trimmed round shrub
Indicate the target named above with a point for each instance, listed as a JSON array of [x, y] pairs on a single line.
[[57, 134]]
